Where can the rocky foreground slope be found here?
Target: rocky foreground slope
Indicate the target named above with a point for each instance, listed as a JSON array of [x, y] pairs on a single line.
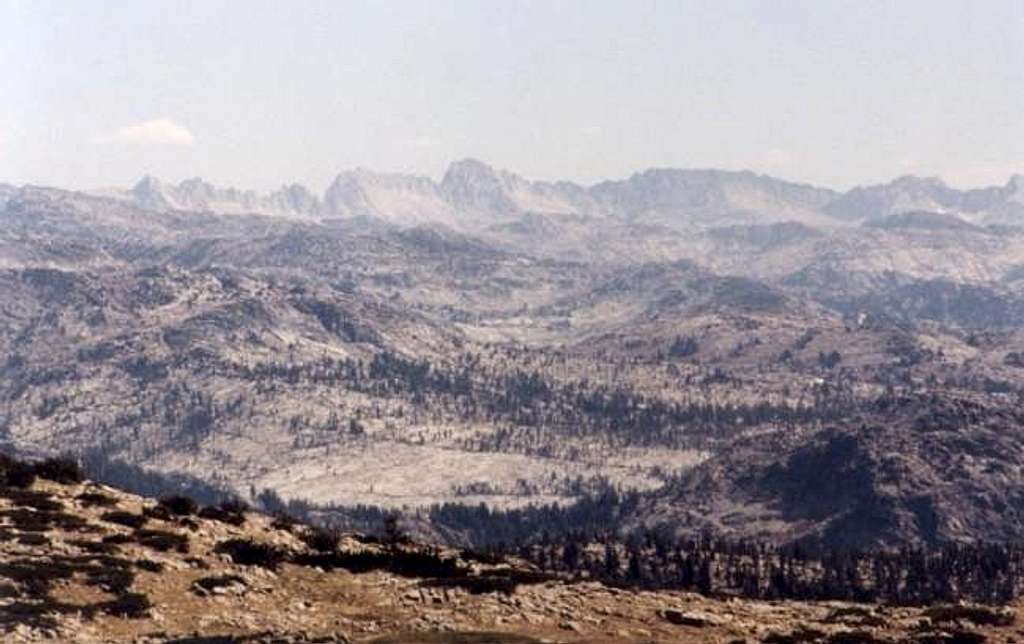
[[82, 562]]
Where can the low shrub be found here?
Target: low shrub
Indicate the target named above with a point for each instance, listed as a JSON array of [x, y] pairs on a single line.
[[61, 469], [237, 506], [228, 512], [179, 505], [110, 574], [129, 519], [321, 539], [247, 552], [95, 547], [33, 539], [35, 576], [15, 473], [95, 499], [129, 605], [400, 562], [158, 512], [480, 585], [149, 565], [33, 499], [501, 581], [28, 520], [488, 558], [161, 540], [423, 564], [284, 522]]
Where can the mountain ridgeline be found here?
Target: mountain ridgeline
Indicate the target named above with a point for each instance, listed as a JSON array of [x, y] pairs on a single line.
[[472, 193]]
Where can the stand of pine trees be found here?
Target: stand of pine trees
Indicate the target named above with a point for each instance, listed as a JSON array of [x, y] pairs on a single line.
[[980, 572]]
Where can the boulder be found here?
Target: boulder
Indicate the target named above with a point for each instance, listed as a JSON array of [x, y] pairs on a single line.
[[696, 619]]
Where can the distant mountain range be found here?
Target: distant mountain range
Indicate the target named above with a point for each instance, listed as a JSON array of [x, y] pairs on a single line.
[[753, 356], [474, 195]]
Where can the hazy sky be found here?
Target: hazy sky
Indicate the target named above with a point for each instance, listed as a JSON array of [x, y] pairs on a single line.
[[255, 94]]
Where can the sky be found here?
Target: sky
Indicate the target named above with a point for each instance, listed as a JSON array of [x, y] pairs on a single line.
[[256, 94]]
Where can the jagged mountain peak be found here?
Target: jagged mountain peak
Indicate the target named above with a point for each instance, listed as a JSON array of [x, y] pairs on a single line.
[[915, 181], [1015, 188], [474, 187], [475, 195], [148, 193], [366, 176], [198, 194], [404, 199], [470, 167], [700, 198], [297, 199], [196, 182], [295, 189], [470, 173], [905, 193], [690, 173], [147, 181]]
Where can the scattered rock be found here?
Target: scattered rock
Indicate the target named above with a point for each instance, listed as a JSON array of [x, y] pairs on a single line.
[[220, 585], [979, 615], [696, 619]]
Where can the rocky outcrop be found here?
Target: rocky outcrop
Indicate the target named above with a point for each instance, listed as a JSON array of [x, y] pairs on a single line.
[[937, 470]]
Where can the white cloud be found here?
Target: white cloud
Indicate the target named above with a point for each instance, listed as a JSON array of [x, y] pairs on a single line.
[[155, 132]]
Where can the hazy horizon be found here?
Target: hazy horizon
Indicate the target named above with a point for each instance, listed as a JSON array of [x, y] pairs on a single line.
[[256, 95]]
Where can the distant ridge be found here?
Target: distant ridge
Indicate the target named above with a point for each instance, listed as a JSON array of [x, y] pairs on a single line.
[[473, 195]]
